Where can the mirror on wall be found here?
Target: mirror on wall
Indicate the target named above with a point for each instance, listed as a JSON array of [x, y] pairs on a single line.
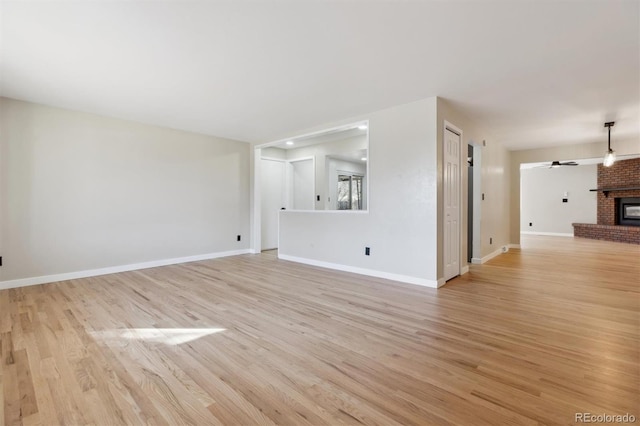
[[325, 171]]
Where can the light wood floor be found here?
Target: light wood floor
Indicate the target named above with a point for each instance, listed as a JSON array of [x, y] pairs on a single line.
[[533, 336]]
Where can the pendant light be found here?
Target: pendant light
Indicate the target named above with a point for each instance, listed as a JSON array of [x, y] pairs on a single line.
[[610, 156]]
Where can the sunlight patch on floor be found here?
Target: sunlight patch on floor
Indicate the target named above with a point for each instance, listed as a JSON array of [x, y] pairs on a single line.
[[168, 336]]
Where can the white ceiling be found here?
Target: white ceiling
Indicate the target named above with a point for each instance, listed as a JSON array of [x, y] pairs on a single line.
[[538, 73]]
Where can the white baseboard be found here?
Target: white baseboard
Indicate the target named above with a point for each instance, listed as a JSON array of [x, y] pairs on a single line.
[[514, 246], [464, 269], [501, 250], [23, 282], [364, 271], [553, 234]]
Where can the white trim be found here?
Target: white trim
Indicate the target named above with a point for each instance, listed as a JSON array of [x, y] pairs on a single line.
[[280, 160], [490, 256], [464, 269], [514, 246], [326, 211], [256, 228], [364, 271], [23, 282], [553, 234], [294, 160], [476, 242], [317, 133]]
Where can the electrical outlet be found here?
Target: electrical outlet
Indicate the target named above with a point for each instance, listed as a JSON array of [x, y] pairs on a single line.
[[530, 223], [0, 260], [491, 240], [239, 238], [317, 198], [367, 251], [483, 196]]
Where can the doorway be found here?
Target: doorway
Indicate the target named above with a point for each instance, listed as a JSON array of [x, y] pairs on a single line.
[[302, 184], [469, 203], [273, 190], [475, 202]]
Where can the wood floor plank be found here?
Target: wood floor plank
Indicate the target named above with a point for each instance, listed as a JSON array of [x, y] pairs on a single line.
[[2, 399], [28, 404], [531, 337], [39, 373]]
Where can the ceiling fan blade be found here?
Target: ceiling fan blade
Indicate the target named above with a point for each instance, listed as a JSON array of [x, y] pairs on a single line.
[[555, 164]]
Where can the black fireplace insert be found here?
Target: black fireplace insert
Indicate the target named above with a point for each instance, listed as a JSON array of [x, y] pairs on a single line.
[[628, 211]]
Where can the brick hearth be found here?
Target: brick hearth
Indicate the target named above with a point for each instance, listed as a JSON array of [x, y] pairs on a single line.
[[622, 234], [623, 174]]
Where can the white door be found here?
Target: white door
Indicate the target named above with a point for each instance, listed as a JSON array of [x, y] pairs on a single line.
[[302, 185], [272, 190], [451, 204]]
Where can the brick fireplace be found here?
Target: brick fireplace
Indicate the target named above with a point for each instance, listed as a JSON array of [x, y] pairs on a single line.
[[622, 180]]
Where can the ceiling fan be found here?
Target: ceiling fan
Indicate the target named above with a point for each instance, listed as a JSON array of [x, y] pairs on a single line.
[[556, 164]]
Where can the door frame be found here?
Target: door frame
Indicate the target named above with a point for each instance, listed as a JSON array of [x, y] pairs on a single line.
[[289, 180], [476, 249], [457, 130], [285, 195]]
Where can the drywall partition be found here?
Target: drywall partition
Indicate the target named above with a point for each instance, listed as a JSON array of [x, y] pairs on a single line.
[[554, 198], [491, 212], [400, 226], [560, 153], [81, 192]]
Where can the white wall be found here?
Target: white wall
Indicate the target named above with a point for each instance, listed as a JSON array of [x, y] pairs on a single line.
[[401, 225], [560, 153], [491, 178], [273, 152], [81, 192], [404, 223], [542, 191]]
